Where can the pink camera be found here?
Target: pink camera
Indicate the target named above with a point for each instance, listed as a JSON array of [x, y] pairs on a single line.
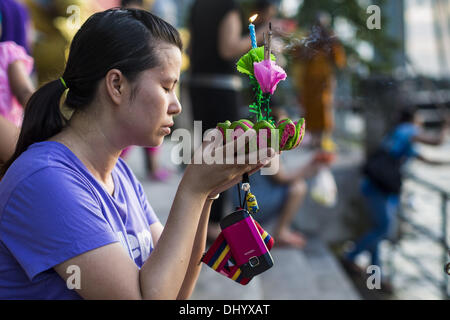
[[248, 248]]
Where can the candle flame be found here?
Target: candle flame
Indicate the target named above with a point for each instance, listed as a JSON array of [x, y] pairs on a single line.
[[253, 18]]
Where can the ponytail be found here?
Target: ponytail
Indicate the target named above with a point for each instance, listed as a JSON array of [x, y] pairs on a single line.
[[42, 119]]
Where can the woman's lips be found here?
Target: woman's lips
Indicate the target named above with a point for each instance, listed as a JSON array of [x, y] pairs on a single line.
[[167, 129]]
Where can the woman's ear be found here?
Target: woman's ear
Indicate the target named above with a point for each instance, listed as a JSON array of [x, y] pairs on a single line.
[[115, 85]]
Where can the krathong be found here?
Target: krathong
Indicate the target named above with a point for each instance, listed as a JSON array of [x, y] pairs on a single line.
[[259, 64]]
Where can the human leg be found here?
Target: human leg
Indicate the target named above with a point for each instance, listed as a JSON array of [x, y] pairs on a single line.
[[283, 232], [379, 210]]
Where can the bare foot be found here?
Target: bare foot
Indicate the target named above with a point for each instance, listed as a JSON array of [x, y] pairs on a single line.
[[290, 238]]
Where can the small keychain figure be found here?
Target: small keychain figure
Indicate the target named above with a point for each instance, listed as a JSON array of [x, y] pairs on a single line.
[[252, 204]]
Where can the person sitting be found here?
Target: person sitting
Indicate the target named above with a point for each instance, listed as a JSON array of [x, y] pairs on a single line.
[[279, 197], [16, 89]]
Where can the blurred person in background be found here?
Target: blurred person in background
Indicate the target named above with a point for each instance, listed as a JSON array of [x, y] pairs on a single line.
[[217, 42], [16, 86], [15, 23], [316, 59], [55, 23], [9, 134], [166, 9], [380, 188]]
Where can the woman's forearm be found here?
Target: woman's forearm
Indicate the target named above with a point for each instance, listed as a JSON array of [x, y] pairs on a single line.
[[164, 272], [197, 251]]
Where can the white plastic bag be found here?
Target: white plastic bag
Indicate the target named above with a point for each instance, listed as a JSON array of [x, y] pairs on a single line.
[[324, 189]]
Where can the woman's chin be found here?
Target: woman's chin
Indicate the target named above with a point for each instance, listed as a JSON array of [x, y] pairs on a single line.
[[157, 141]]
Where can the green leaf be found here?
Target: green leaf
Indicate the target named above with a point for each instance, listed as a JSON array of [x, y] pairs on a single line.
[[245, 63]]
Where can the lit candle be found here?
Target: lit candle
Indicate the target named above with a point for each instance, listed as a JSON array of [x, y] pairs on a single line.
[[251, 27]]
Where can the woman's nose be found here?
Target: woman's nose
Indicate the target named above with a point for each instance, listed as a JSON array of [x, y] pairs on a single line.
[[175, 106]]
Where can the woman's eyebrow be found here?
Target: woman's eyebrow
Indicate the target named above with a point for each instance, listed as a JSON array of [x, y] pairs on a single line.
[[171, 80]]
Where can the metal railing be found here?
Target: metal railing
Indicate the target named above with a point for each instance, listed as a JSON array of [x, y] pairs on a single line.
[[443, 283]]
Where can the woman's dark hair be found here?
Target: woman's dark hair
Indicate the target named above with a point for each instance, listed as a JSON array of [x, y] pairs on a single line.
[[123, 39]]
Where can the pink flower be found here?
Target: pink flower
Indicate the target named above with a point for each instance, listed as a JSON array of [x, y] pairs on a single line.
[[268, 75]]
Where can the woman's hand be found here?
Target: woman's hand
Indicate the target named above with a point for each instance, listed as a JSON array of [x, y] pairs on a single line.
[[222, 166]]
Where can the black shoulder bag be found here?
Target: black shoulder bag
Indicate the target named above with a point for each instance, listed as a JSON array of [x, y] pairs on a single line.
[[384, 170]]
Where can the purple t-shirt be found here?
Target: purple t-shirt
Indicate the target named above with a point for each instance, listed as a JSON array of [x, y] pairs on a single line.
[[53, 209]]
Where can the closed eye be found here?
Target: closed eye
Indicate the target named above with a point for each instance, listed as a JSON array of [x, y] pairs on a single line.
[[169, 85]]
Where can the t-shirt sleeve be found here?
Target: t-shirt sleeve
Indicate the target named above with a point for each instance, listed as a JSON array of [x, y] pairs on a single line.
[[50, 217], [148, 210], [11, 52], [401, 143]]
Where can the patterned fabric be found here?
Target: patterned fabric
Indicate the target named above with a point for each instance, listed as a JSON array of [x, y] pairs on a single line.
[[219, 257]]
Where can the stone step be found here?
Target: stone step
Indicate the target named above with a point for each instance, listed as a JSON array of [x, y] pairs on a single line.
[[330, 278], [309, 274], [290, 278], [214, 286]]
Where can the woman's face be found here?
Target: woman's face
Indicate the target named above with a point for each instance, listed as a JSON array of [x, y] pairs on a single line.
[[154, 102]]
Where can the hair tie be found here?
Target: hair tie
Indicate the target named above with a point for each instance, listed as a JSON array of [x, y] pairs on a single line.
[[66, 112], [63, 82]]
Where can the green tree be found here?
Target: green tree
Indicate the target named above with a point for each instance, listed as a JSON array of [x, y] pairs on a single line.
[[354, 12]]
